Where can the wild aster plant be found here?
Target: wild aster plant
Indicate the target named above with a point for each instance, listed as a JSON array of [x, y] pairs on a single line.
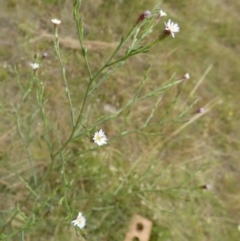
[[114, 61]]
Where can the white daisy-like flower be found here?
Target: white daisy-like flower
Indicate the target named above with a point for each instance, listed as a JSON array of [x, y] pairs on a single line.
[[187, 76], [162, 13], [56, 21], [172, 27], [34, 66], [100, 138], [80, 221]]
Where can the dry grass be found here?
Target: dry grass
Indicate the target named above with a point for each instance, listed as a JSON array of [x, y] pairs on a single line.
[[155, 175]]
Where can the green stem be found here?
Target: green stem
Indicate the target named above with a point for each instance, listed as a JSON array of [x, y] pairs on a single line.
[[91, 78], [25, 143], [57, 49], [133, 52]]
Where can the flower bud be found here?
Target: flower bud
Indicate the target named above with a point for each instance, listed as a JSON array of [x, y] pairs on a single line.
[[143, 16]]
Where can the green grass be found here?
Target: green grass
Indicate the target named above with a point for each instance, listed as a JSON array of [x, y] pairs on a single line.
[[156, 171]]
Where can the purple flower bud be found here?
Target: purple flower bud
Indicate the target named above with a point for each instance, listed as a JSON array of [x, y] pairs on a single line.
[[44, 55], [143, 16], [206, 186], [200, 110]]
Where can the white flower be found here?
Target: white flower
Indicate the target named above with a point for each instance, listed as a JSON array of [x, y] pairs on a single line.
[[56, 21], [100, 138], [187, 76], [80, 221], [34, 66], [162, 13], [172, 27]]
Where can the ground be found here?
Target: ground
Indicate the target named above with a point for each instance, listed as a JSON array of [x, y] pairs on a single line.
[[182, 173]]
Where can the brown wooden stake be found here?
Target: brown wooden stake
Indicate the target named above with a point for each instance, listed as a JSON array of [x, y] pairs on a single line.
[[139, 229]]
